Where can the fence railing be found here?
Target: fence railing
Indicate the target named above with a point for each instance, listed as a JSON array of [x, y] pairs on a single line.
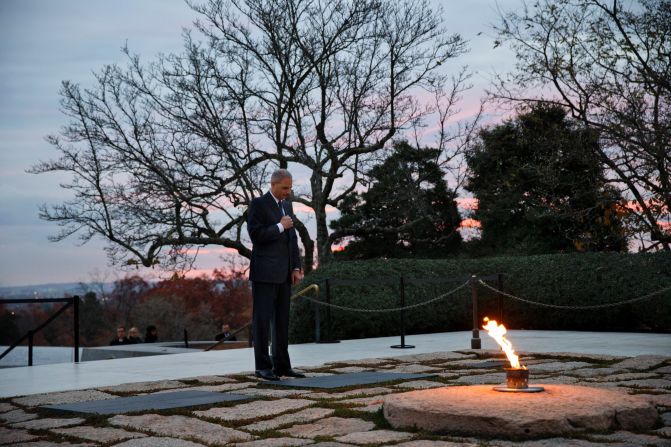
[[402, 281], [69, 302]]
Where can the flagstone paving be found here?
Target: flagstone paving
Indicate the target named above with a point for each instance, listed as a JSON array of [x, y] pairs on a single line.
[[333, 418]]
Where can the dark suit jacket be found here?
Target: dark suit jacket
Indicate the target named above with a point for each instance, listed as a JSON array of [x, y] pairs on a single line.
[[274, 254]]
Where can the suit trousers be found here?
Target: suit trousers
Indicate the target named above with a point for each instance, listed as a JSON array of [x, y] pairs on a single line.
[[271, 304]]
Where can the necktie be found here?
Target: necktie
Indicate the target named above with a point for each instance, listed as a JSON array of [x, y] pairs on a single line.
[[279, 203]]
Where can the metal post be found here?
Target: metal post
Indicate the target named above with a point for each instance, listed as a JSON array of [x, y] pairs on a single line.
[[75, 300], [329, 328], [402, 300], [499, 285], [186, 338], [475, 341], [317, 324], [30, 347]]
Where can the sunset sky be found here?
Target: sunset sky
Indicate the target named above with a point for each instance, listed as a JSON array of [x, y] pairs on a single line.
[[43, 42]]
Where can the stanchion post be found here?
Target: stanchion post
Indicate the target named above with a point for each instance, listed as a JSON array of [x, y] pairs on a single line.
[[475, 341], [75, 302], [402, 301], [30, 348], [317, 323], [329, 328], [499, 286], [186, 338]]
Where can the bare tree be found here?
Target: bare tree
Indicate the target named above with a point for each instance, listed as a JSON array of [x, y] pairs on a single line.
[[611, 67], [166, 156]]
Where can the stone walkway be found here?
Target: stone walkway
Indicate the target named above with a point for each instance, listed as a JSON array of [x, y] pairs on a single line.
[[343, 417]]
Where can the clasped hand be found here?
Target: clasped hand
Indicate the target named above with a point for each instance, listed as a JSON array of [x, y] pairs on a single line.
[[287, 222]]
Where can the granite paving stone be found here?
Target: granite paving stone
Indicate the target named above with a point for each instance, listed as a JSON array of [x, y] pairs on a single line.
[[463, 372], [345, 394], [435, 356], [364, 400], [647, 383], [641, 362], [426, 443], [157, 442], [664, 431], [376, 437], [99, 434], [49, 444], [566, 380], [420, 384], [213, 388], [558, 367], [270, 392], [368, 362], [372, 408], [6, 406], [13, 435], [14, 416], [661, 400], [209, 379], [350, 369], [555, 442], [306, 415], [666, 418], [332, 426], [478, 379], [633, 439], [47, 423], [138, 387], [255, 409], [64, 397], [275, 442], [181, 427], [596, 372], [413, 368], [579, 355], [331, 444], [622, 377]]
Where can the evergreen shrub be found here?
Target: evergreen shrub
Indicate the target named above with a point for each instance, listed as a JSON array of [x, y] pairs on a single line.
[[575, 279]]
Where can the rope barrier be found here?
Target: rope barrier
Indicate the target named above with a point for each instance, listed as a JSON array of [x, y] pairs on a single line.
[[594, 306], [391, 309]]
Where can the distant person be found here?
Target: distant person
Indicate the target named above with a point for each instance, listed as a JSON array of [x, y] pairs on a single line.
[[134, 336], [121, 338], [152, 334], [225, 332]]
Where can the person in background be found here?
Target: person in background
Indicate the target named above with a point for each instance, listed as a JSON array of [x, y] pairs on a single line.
[[134, 336], [121, 338], [225, 332], [152, 334]]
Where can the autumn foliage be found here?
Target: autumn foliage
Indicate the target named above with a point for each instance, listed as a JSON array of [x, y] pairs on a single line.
[[200, 305]]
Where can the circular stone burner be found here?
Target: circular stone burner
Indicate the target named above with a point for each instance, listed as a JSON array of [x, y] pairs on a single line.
[[479, 410]]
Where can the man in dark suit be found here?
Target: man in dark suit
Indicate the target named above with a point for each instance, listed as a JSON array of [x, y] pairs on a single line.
[[275, 266]]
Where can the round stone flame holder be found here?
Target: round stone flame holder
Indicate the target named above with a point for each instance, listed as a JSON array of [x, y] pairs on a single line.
[[517, 381], [559, 410]]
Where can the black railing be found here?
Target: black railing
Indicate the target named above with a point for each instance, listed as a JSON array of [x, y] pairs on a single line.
[[74, 302]]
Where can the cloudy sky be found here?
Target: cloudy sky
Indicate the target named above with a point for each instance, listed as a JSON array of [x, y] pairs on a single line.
[[43, 42]]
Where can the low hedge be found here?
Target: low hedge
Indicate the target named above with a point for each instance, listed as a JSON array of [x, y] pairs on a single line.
[[576, 279]]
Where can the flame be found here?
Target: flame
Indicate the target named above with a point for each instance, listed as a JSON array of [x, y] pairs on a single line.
[[497, 332]]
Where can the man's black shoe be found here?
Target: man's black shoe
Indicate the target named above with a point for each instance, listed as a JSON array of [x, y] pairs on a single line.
[[291, 373], [266, 374]]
